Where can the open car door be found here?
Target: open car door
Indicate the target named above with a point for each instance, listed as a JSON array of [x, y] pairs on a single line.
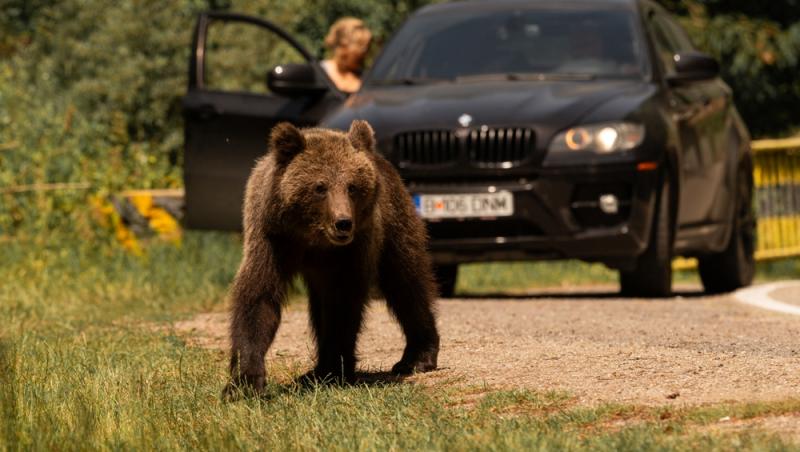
[[245, 75]]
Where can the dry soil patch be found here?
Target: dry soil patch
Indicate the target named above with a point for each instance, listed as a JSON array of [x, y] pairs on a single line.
[[685, 350]]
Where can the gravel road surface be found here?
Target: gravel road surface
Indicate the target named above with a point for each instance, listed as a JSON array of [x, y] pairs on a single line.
[[690, 349]]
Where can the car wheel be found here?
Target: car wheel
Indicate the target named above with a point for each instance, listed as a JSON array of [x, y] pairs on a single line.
[[735, 266], [446, 279], [652, 276]]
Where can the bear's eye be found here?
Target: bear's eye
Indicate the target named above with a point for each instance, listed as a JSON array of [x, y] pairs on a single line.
[[352, 189], [320, 189]]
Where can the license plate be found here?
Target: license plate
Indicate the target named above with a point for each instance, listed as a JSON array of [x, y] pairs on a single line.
[[499, 204]]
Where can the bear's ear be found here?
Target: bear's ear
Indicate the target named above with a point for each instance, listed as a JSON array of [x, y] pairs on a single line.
[[361, 136], [286, 141]]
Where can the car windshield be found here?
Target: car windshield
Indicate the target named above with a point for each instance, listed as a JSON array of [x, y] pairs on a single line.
[[520, 44]]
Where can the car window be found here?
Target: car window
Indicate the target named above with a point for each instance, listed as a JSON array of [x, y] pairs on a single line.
[[539, 41], [669, 38], [239, 55], [665, 45], [682, 41]]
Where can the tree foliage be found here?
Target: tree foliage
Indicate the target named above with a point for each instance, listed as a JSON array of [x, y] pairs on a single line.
[[88, 95], [90, 89], [758, 47]]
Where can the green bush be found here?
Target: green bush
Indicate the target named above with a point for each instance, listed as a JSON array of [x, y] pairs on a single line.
[[758, 47], [90, 95], [90, 89]]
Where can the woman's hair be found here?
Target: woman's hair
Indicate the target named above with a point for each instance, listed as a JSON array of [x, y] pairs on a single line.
[[345, 29]]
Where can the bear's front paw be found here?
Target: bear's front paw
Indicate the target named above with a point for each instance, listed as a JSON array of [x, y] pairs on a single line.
[[424, 363], [244, 386]]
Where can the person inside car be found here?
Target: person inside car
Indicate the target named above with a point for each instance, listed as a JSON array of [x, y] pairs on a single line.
[[348, 42]]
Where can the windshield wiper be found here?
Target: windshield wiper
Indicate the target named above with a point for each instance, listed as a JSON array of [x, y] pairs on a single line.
[[526, 77]]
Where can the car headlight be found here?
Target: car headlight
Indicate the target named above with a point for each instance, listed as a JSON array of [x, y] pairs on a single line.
[[602, 138]]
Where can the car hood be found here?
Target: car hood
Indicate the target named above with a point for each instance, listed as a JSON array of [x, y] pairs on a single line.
[[546, 106]]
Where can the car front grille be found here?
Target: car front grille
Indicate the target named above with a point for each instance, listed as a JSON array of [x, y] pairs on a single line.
[[427, 147], [503, 147], [494, 147]]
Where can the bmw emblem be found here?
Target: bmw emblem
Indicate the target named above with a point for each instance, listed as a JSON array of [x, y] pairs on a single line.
[[465, 120]]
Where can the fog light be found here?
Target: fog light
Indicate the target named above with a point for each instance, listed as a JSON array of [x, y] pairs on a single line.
[[609, 204]]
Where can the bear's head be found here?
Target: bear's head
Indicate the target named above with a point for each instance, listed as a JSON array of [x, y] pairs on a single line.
[[328, 183]]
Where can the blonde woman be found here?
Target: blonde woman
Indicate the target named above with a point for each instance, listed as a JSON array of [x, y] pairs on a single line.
[[348, 42]]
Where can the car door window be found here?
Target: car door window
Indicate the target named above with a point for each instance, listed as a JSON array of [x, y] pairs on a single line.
[[229, 111], [670, 39], [238, 56], [680, 38], [665, 42]]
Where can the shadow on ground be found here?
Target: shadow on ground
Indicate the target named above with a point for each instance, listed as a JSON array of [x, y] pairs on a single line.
[[572, 295], [303, 384]]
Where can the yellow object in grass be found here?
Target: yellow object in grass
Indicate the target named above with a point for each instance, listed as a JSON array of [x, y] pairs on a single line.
[[135, 215], [159, 220], [108, 217]]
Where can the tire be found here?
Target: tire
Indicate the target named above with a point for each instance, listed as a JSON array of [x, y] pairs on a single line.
[[735, 266], [652, 277], [446, 276]]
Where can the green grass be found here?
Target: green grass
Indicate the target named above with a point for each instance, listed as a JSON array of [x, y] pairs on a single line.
[[521, 277], [82, 366], [524, 276]]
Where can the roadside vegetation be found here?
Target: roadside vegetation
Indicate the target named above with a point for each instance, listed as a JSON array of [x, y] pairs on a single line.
[[90, 90], [522, 277], [88, 361]]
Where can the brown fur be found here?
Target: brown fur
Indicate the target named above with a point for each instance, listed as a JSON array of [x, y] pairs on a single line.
[[324, 205]]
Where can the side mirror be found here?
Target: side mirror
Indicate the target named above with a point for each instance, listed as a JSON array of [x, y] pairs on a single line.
[[693, 66], [294, 80]]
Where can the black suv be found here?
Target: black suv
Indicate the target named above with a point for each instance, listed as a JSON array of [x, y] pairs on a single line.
[[588, 129]]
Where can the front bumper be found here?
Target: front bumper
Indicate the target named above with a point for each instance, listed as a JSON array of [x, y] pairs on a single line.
[[556, 216]]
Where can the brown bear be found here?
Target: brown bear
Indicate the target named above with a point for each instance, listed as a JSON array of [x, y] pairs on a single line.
[[325, 205]]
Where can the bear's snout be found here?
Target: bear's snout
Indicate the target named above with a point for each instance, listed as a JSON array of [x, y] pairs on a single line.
[[340, 223], [342, 231], [343, 225]]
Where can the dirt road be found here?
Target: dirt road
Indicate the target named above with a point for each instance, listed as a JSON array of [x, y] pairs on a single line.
[[690, 349]]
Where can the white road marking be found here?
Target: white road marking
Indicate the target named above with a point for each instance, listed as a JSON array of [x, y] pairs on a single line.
[[759, 296]]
